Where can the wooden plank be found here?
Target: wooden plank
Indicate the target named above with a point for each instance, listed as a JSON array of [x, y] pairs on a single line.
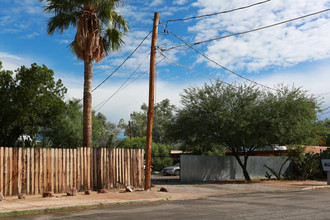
[[14, 171], [32, 155], [10, 171], [41, 171], [122, 167], [55, 159], [67, 169], [101, 167], [44, 160], [126, 167], [141, 165], [129, 166], [64, 171], [104, 167], [108, 168], [71, 168], [37, 173], [5, 172], [82, 164], [60, 170], [51, 169], [74, 176], [134, 168], [88, 161], [1, 168], [94, 168], [78, 170], [117, 167], [84, 167], [28, 170]]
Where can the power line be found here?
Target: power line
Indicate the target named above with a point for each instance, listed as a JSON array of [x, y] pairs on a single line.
[[189, 68], [122, 86], [122, 62], [216, 63], [249, 31], [105, 101], [222, 12], [141, 75]]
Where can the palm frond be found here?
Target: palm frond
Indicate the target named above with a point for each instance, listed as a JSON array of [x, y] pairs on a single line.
[[61, 22], [112, 40]]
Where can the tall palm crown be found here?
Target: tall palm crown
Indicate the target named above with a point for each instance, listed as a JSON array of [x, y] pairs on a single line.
[[99, 31]]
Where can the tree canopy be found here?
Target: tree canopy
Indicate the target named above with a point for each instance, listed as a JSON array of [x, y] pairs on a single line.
[[163, 114], [244, 118], [66, 130], [30, 99]]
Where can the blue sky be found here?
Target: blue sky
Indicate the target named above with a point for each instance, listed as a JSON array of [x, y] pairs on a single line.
[[293, 53]]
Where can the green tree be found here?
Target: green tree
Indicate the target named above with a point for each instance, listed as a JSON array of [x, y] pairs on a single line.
[[66, 130], [30, 100], [244, 118], [107, 132], [99, 31], [160, 154], [163, 114]]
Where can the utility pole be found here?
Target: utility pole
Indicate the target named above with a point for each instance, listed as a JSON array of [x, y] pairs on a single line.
[[147, 184]]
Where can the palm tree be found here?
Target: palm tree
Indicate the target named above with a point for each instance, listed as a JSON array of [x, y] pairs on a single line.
[[99, 31]]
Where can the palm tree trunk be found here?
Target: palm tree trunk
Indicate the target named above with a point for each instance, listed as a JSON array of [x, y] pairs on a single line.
[[87, 108]]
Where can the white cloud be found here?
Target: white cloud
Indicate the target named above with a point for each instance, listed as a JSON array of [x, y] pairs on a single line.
[[129, 99], [180, 2], [156, 3], [30, 36], [63, 41], [313, 77], [12, 62], [303, 40]]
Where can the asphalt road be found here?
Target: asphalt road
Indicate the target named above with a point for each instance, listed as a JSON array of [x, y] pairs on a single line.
[[309, 204]]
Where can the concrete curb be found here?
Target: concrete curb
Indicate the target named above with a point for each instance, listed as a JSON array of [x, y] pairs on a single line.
[[99, 204], [316, 187]]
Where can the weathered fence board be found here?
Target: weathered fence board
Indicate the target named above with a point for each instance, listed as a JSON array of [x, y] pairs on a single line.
[[34, 170]]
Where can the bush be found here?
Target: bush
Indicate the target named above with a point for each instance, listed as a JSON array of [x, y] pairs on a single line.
[[160, 153], [306, 165]]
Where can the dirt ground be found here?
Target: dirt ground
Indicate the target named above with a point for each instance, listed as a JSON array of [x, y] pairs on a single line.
[[176, 191]]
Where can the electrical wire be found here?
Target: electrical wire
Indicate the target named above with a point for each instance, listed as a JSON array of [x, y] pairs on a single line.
[[130, 76], [222, 12], [122, 62], [122, 86], [249, 31], [141, 75], [189, 68], [216, 63]]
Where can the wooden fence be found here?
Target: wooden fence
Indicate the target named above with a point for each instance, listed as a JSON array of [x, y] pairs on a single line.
[[34, 170]]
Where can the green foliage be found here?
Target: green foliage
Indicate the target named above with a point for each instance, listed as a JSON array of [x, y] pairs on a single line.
[[30, 100], [244, 118], [304, 165], [325, 139], [66, 130], [69, 13], [163, 114], [160, 153]]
